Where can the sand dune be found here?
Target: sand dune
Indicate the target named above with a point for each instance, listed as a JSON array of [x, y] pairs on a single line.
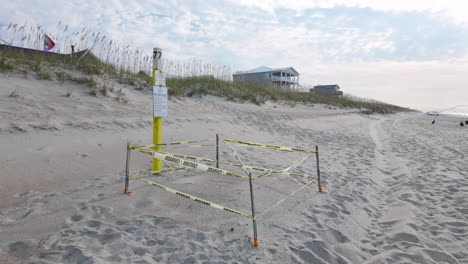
[[396, 186]]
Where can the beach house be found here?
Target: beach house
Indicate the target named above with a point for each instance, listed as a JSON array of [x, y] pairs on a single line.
[[286, 78], [331, 89]]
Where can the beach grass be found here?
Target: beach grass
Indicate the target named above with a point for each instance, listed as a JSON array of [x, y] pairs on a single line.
[[190, 86]]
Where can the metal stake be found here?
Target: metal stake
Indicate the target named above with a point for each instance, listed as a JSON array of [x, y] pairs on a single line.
[[217, 151], [127, 169], [255, 241], [318, 169]]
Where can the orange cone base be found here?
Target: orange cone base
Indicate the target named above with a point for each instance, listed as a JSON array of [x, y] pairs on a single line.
[[126, 191], [255, 242], [321, 189]]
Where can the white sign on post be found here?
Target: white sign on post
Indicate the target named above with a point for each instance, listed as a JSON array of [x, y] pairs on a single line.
[[159, 101], [160, 78]]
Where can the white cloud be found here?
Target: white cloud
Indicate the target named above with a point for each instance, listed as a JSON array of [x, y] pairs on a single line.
[[454, 8], [371, 56]]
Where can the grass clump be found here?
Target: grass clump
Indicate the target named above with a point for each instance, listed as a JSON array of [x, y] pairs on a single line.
[[37, 67], [93, 92], [104, 90], [44, 75], [121, 96], [94, 87], [62, 76], [5, 66]]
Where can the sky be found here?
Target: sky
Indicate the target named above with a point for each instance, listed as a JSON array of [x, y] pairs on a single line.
[[412, 53]]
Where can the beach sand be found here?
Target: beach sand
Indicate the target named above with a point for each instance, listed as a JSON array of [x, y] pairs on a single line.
[[396, 187]]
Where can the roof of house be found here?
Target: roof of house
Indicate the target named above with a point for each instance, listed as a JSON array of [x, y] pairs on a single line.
[[260, 69], [86, 54]]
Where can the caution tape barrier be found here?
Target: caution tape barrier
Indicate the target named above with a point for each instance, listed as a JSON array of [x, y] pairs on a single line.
[[193, 146], [190, 164], [155, 151], [284, 199], [171, 143], [156, 172], [294, 164], [233, 164], [239, 165], [191, 197], [270, 146]]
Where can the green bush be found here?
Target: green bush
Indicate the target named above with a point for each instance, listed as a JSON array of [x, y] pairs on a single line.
[[44, 75], [62, 76]]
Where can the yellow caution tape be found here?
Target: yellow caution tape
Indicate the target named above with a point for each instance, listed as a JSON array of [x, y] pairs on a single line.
[[187, 157], [193, 198], [233, 164], [294, 164], [186, 163], [156, 172], [194, 146], [284, 199], [238, 158], [199, 158], [239, 165], [270, 146], [171, 143]]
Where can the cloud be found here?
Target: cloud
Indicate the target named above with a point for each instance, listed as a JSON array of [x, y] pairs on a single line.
[[361, 44], [454, 9], [420, 85]]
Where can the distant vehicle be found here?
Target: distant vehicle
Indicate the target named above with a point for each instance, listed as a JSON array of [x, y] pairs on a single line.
[[432, 113]]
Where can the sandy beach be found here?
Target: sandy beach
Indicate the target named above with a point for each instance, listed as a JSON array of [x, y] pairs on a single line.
[[396, 187]]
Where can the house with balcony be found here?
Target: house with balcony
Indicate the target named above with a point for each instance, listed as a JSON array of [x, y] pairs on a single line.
[[286, 79]]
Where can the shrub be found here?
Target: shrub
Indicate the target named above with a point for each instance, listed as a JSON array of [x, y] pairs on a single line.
[[93, 92], [121, 98], [5, 66], [44, 75], [62, 76], [104, 90], [94, 87]]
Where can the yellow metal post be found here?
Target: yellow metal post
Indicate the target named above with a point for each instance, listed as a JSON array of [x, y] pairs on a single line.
[[157, 139], [157, 121]]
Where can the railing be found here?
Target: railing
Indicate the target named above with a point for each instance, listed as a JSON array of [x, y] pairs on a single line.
[[283, 78]]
